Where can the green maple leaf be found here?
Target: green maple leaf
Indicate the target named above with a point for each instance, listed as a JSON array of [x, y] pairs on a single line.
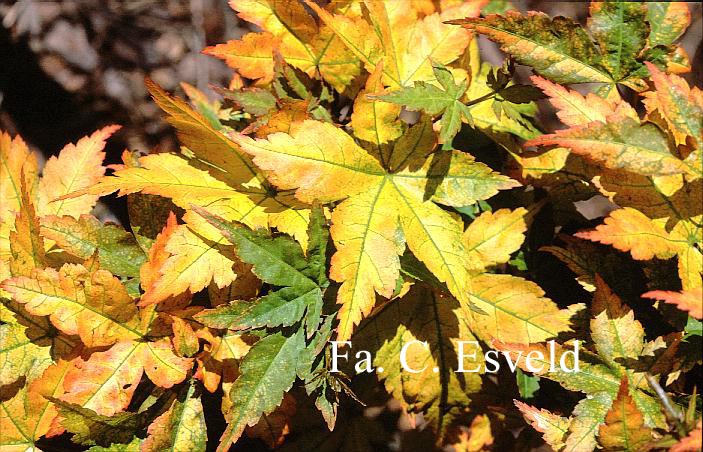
[[271, 366], [278, 261], [444, 100]]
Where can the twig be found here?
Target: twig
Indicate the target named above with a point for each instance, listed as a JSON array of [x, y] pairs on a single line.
[[671, 411]]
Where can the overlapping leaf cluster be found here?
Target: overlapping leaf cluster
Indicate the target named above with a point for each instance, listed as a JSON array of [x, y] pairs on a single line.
[[366, 178]]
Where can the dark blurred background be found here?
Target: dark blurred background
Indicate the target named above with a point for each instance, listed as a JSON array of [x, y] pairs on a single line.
[[68, 67]]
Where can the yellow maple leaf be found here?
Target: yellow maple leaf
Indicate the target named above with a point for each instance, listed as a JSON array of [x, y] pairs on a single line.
[[375, 121], [628, 229], [406, 45], [90, 303], [106, 381], [28, 416], [15, 160], [429, 383], [251, 56], [379, 211], [492, 237], [293, 33], [514, 310], [191, 265], [78, 166]]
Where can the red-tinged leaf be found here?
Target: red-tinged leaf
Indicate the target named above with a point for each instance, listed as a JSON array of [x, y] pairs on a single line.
[[106, 381], [26, 243], [680, 105], [575, 109], [553, 427], [624, 428], [630, 230], [690, 301], [150, 272], [691, 443]]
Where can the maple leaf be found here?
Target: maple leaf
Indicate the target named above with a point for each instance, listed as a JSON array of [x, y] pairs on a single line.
[[432, 387], [251, 56], [624, 229], [575, 109], [290, 30], [628, 229], [270, 367], [490, 240], [616, 335], [623, 143], [680, 105], [499, 115], [444, 100], [514, 309], [375, 122], [686, 300], [191, 264], [393, 34], [106, 381], [88, 302], [149, 272], [28, 414], [278, 261], [181, 427], [493, 236], [554, 428], [561, 50], [17, 162], [118, 251], [267, 372], [377, 206], [185, 341], [618, 29], [668, 21], [624, 427], [170, 175], [26, 245], [558, 49], [77, 166], [642, 193], [18, 352], [226, 162], [216, 179]]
